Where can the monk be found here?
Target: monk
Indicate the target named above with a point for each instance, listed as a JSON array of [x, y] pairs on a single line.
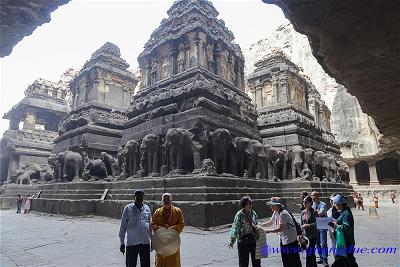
[[170, 217]]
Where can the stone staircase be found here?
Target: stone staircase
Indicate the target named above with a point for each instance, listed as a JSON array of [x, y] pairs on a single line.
[[205, 200]]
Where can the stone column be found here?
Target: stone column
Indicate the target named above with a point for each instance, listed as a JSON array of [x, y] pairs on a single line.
[[187, 50], [14, 123], [197, 48], [218, 60], [30, 121], [352, 175], [173, 58], [238, 77], [373, 175]]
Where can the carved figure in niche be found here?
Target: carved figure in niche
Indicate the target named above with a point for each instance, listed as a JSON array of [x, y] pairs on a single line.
[[231, 71], [210, 57], [241, 155], [178, 148], [165, 68], [258, 160], [150, 152], [181, 59], [208, 168], [94, 170], [73, 165], [221, 140], [131, 158], [110, 163], [296, 159], [154, 72], [224, 65], [276, 163]]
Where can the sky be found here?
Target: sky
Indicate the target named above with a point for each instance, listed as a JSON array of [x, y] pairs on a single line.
[[80, 27]]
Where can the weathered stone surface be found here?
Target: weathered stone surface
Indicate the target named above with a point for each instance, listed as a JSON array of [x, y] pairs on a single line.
[[19, 18], [357, 44]]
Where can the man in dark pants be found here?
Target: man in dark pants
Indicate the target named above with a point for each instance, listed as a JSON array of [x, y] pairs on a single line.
[[136, 225], [19, 203]]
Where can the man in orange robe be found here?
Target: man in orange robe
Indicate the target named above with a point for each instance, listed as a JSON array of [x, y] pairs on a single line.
[[170, 217]]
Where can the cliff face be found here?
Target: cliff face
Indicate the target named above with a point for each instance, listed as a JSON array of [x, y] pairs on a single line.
[[353, 129]]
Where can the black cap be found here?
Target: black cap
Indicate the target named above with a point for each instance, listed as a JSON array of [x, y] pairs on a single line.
[[138, 192]]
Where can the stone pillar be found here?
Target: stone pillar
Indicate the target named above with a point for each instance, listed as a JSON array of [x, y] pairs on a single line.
[[173, 58], [197, 48], [373, 175], [30, 121], [352, 175], [14, 123], [218, 60], [187, 50], [238, 74]]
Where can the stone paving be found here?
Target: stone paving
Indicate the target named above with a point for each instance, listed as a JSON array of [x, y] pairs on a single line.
[[44, 240]]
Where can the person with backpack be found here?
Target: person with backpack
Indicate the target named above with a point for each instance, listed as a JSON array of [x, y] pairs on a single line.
[[244, 230], [309, 226], [285, 225]]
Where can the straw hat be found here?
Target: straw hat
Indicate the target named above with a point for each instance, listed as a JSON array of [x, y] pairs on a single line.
[[166, 241], [275, 201]]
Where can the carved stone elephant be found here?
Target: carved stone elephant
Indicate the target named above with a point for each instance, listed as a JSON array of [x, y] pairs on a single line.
[[321, 165], [52, 161], [258, 160], [241, 155], [343, 171], [130, 157], [73, 165], [60, 167], [110, 163], [150, 151], [179, 150], [332, 168], [96, 169], [221, 141], [276, 162], [296, 158]]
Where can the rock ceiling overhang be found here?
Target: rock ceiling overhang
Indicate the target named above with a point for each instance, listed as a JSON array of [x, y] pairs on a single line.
[[19, 18], [358, 44]]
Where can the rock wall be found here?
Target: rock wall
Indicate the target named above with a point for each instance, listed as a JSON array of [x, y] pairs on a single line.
[[353, 129]]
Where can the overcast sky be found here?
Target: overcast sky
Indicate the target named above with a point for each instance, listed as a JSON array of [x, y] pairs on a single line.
[[80, 27]]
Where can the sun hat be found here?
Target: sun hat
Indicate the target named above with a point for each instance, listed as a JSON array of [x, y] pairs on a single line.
[[339, 199], [166, 241], [275, 201]]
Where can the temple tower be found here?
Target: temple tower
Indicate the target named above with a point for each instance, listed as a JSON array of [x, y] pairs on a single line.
[[290, 108], [192, 77], [101, 92]]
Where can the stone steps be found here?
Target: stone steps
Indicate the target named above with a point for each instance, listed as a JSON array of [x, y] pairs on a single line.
[[195, 196], [206, 201]]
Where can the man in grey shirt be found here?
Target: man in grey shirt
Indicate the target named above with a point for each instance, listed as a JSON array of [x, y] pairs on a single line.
[[136, 225]]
